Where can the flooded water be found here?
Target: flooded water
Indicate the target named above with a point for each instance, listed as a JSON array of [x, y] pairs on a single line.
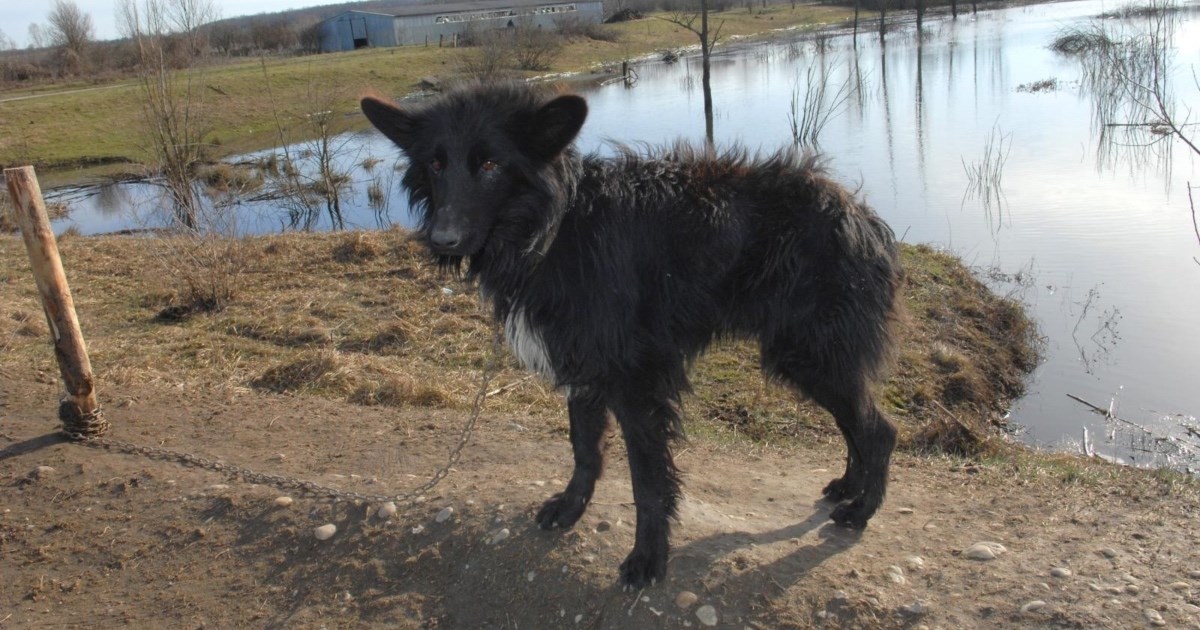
[[1094, 234]]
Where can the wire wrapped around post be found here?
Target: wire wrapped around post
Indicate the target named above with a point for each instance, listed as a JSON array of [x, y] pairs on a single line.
[[79, 411]]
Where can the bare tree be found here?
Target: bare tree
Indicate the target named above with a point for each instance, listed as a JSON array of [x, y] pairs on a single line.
[[708, 40], [173, 26], [173, 113], [883, 7], [6, 42], [37, 39], [70, 30], [186, 17]]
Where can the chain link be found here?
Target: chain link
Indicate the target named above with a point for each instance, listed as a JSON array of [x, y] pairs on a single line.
[[309, 487]]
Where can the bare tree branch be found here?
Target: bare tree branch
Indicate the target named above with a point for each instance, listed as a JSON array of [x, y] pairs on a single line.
[[70, 29]]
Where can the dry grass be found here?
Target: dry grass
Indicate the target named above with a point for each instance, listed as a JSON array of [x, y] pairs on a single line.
[[366, 318]]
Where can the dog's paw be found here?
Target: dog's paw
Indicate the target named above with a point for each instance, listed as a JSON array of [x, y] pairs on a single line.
[[852, 515], [561, 510], [840, 490], [643, 569]]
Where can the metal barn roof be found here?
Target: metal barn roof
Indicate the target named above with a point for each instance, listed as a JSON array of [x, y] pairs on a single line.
[[462, 7]]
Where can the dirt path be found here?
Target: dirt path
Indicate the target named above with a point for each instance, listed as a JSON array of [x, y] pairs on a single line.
[[63, 92], [108, 539]]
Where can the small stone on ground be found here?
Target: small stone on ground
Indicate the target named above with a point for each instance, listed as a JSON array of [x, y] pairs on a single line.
[[984, 551], [685, 599]]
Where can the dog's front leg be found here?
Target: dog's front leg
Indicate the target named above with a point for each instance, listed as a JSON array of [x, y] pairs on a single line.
[[589, 421], [647, 426]]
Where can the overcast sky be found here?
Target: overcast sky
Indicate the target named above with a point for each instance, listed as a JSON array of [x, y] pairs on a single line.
[[16, 15]]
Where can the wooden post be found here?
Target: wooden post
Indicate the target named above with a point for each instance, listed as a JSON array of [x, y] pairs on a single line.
[[79, 411]]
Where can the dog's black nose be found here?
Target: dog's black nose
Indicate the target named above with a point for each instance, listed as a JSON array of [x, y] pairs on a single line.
[[445, 239]]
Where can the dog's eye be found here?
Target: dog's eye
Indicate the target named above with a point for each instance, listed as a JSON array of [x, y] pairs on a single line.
[[488, 166], [436, 165]]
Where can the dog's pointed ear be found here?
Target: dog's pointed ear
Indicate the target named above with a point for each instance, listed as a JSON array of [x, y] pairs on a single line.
[[398, 125], [556, 124]]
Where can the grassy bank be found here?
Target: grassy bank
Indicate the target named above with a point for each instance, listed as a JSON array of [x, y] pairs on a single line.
[[75, 126], [364, 319]]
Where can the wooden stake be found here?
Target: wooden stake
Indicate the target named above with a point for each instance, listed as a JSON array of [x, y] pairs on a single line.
[[79, 411]]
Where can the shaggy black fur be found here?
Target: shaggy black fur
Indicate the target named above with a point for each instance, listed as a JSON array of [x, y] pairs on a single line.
[[612, 275]]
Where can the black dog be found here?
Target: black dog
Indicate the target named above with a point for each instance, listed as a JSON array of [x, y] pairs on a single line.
[[612, 275]]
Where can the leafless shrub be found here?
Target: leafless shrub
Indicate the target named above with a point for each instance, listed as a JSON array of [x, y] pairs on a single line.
[[536, 49], [573, 26], [174, 120], [223, 177], [1081, 40], [813, 105], [985, 176], [489, 57], [1127, 75], [205, 266], [309, 182], [1044, 85]]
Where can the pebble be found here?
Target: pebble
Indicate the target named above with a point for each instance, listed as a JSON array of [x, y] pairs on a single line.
[[685, 599], [41, 472], [1189, 609], [905, 510], [707, 615], [1180, 586], [914, 563], [984, 551], [1154, 617], [325, 532], [219, 486], [917, 608], [1133, 589], [386, 511], [1108, 552], [529, 576], [603, 526], [1195, 575], [1032, 606], [444, 515], [499, 536], [1060, 572], [896, 574], [283, 501]]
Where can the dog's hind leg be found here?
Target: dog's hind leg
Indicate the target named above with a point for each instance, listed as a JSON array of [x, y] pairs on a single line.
[[870, 441], [870, 436], [589, 421], [648, 426], [850, 484]]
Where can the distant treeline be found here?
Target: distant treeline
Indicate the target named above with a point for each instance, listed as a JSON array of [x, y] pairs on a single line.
[[294, 32]]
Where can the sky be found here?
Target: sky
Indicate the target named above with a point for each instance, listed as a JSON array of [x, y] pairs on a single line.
[[17, 15]]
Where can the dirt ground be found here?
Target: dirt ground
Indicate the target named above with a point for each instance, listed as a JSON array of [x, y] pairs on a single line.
[[100, 538]]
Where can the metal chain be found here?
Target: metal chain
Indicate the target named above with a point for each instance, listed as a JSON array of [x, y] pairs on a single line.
[[310, 487]]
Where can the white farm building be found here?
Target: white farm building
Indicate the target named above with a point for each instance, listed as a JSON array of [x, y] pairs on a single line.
[[432, 24]]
